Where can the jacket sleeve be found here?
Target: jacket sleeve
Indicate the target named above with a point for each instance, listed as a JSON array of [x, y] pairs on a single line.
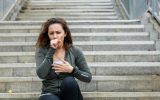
[[81, 70], [43, 62]]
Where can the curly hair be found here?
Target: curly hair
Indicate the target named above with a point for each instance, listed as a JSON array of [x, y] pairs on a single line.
[[43, 39]]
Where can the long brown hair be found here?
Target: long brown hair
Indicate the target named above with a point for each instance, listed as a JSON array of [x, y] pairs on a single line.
[[43, 39]]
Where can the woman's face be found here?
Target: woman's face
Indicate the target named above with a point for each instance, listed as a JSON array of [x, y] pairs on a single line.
[[55, 31]]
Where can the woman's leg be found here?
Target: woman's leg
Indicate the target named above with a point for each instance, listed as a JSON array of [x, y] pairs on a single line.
[[48, 97], [70, 89]]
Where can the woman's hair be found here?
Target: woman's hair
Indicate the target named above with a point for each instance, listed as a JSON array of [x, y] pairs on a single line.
[[43, 39]]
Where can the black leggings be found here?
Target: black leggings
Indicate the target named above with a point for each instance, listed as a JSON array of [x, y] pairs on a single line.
[[69, 91]]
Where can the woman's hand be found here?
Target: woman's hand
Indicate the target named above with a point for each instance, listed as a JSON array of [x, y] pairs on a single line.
[[65, 67], [55, 43]]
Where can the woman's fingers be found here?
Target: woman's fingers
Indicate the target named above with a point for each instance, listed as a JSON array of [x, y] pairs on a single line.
[[56, 65], [63, 61], [55, 43], [62, 67], [58, 69]]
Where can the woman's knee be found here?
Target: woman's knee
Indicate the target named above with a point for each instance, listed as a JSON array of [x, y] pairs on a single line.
[[69, 82], [48, 97], [70, 89]]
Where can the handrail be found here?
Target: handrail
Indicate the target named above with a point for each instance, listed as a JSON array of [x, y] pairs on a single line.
[[159, 7], [13, 11], [154, 8], [136, 8], [5, 5]]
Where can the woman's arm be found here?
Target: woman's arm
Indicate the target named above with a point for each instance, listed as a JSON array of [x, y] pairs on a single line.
[[43, 62], [82, 71]]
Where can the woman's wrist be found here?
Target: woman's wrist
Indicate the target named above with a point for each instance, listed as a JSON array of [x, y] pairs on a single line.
[[73, 69]]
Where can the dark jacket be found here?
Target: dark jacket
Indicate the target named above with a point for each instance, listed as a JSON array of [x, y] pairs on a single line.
[[51, 81]]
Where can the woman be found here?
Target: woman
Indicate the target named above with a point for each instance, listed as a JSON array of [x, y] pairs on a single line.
[[58, 61]]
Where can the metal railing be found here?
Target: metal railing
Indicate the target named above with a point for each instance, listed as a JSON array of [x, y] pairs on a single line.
[[136, 8], [154, 8], [5, 5]]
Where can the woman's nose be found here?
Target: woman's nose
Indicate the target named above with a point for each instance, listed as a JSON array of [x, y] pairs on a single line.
[[54, 36]]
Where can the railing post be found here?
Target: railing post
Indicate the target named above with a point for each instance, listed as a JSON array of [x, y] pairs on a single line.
[[5, 6], [1, 9], [135, 8]]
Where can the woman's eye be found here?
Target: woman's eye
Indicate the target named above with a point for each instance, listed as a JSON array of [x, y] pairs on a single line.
[[58, 32], [51, 33]]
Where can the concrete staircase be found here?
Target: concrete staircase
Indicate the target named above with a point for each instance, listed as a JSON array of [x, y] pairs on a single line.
[[122, 58]]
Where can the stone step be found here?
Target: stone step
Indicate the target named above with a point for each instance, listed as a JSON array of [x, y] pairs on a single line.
[[69, 0], [133, 83], [66, 1], [67, 11], [68, 17], [97, 68], [77, 28], [70, 4], [89, 96], [74, 22], [29, 37], [85, 46], [67, 14], [49, 7], [91, 56], [66, 7]]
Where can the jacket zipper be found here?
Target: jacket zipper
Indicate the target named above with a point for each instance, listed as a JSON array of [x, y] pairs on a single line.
[[58, 85]]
